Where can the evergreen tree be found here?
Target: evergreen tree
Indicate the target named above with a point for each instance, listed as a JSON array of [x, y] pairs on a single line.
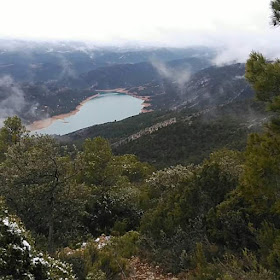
[[275, 6], [10, 134], [39, 184]]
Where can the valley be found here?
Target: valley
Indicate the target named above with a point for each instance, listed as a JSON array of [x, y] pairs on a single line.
[[139, 140], [128, 160], [188, 84]]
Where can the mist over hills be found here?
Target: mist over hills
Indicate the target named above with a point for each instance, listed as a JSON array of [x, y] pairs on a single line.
[[188, 137], [134, 161], [209, 86], [213, 108], [54, 77], [138, 74], [45, 61], [180, 83]]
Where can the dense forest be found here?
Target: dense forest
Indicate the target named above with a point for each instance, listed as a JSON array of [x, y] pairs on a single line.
[[190, 138], [84, 212]]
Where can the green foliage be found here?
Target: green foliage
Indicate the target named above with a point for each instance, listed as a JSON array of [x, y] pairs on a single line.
[[190, 142], [18, 257], [228, 225], [112, 258], [113, 211], [96, 156], [130, 167], [53, 190], [162, 182], [245, 267], [96, 274], [264, 76], [100, 167], [114, 206], [126, 245], [191, 192], [39, 185], [273, 259], [202, 269], [260, 182], [275, 6], [182, 198], [107, 262], [10, 134]]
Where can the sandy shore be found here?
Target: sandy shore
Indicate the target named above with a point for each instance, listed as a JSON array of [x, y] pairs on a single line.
[[47, 122], [146, 99]]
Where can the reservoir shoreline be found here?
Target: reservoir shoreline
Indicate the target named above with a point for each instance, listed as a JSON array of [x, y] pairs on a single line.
[[44, 123], [47, 122], [146, 99]]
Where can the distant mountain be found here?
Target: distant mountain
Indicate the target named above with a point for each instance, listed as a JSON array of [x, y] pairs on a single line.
[[208, 87], [212, 109], [44, 61], [130, 75], [48, 98], [33, 101], [55, 78], [215, 85]]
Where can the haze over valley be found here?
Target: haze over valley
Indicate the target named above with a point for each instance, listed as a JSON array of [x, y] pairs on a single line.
[[41, 80]]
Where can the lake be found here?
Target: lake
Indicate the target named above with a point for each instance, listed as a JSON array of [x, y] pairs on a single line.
[[106, 107]]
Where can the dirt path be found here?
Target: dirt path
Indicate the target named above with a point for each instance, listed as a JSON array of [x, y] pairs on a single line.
[[144, 271]]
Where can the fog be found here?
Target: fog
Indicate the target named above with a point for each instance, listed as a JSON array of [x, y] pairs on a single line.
[[179, 76]]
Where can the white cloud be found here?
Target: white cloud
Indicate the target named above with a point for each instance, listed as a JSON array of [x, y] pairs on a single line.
[[239, 25], [127, 19], [180, 76]]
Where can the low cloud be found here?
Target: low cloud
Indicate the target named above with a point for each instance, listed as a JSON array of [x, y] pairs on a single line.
[[67, 68], [237, 47], [12, 100], [179, 76]]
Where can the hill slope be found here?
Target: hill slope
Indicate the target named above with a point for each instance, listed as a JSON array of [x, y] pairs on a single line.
[[128, 75]]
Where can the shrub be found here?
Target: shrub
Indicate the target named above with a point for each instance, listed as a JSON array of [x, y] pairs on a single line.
[[18, 257]]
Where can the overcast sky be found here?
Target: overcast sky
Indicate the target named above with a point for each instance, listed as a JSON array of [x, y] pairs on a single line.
[[238, 24]]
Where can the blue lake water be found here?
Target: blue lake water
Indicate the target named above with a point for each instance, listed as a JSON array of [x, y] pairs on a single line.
[[107, 107]]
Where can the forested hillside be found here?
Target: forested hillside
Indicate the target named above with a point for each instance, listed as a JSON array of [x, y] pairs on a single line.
[[138, 74], [195, 197], [33, 61], [191, 138], [41, 98], [223, 114], [187, 82]]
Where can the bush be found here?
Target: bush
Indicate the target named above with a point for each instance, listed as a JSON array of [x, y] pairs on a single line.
[[109, 261], [96, 274], [231, 267], [18, 257]]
